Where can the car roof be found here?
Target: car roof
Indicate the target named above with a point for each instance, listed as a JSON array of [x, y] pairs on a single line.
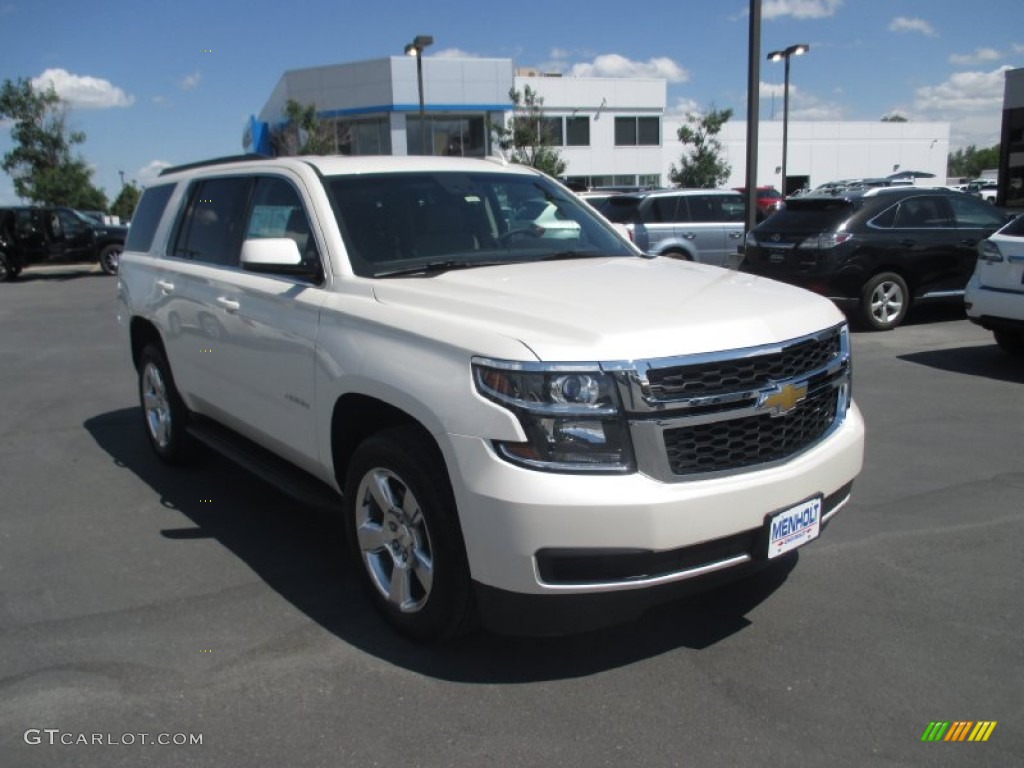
[[333, 165]]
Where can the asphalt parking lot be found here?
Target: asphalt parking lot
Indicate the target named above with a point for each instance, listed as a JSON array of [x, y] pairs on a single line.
[[139, 600]]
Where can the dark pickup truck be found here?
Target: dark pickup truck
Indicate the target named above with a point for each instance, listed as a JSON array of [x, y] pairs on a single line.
[[48, 235]]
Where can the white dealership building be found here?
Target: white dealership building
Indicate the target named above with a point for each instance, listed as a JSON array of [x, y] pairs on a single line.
[[610, 131]]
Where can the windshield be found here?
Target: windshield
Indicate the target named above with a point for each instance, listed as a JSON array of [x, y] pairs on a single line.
[[393, 223]]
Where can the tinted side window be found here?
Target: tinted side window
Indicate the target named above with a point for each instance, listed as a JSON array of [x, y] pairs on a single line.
[[974, 214], [704, 208], [921, 213], [662, 209], [1015, 227], [211, 227], [277, 211], [147, 217]]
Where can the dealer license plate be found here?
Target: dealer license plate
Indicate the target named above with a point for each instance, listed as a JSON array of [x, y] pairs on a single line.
[[794, 527]]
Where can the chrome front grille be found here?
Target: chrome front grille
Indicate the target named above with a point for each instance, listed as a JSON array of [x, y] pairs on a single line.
[[727, 412]]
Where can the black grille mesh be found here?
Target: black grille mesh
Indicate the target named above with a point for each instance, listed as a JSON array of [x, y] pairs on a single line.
[[738, 443], [750, 373]]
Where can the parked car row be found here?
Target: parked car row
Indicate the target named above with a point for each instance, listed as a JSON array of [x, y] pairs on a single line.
[[42, 235], [880, 248]]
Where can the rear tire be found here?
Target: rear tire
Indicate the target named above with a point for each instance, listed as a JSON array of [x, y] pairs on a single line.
[[884, 301], [1011, 342], [404, 535], [164, 413], [110, 257]]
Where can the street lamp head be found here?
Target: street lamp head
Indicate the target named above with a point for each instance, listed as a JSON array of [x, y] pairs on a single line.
[[415, 48], [793, 50]]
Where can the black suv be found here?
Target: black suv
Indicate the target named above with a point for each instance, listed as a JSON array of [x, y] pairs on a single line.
[[55, 234], [881, 248]]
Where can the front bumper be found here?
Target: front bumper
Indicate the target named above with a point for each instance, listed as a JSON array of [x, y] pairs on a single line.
[[517, 522]]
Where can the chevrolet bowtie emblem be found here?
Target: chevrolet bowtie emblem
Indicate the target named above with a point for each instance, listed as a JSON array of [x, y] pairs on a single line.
[[782, 399]]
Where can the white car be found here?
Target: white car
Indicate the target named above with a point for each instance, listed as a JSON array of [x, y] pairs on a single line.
[[547, 433], [995, 292]]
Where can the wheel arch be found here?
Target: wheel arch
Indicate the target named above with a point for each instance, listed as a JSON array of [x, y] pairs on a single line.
[[142, 332], [357, 416]]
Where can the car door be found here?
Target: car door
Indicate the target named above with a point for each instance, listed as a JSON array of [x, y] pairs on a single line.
[[658, 220], [975, 220], [270, 323], [924, 241], [703, 226]]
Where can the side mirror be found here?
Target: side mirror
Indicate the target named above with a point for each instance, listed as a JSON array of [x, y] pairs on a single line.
[[275, 255]]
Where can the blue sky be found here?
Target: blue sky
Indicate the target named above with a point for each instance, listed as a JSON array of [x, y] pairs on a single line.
[[163, 83]]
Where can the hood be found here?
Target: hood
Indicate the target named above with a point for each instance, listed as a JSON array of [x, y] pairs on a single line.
[[604, 309]]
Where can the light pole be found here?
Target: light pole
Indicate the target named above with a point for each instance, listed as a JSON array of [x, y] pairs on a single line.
[[415, 48], [793, 50]]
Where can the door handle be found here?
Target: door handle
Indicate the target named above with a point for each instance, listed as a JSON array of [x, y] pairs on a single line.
[[690, 236], [165, 286], [908, 243], [969, 241], [229, 305], [735, 235]]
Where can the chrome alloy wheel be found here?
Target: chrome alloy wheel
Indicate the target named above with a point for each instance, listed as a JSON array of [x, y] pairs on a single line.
[[887, 302], [157, 405], [394, 541]]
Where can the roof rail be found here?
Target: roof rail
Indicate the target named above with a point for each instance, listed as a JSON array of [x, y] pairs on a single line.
[[214, 161]]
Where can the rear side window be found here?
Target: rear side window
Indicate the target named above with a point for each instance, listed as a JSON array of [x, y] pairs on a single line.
[[147, 217], [214, 220], [621, 209]]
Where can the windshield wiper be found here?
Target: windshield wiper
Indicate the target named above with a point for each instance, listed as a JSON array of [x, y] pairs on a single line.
[[563, 255], [436, 268]]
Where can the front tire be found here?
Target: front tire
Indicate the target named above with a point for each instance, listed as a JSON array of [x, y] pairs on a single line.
[[8, 271], [404, 535], [110, 257], [884, 301], [164, 413], [1011, 342]]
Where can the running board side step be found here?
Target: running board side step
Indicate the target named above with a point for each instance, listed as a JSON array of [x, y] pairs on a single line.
[[286, 477]]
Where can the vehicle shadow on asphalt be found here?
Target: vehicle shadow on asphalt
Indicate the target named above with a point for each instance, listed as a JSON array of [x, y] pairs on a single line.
[[299, 553], [987, 361], [920, 314], [29, 276]]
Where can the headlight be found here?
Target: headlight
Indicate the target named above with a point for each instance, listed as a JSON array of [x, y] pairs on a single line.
[[570, 413]]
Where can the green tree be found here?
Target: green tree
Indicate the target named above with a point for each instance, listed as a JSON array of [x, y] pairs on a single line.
[[969, 162], [41, 162], [702, 166], [127, 199], [525, 134], [895, 117], [302, 133]]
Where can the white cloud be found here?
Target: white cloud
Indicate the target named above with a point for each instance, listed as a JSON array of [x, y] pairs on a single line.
[[979, 56], [614, 65], [189, 82], [148, 173], [453, 53], [1018, 48], [559, 53], [905, 24], [800, 9], [972, 102], [682, 107], [83, 91]]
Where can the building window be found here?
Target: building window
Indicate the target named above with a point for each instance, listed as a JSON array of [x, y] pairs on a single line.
[[577, 131], [637, 131], [550, 129], [363, 137], [451, 136]]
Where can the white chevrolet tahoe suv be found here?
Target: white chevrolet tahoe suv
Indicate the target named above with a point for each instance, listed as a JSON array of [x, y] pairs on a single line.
[[543, 433]]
